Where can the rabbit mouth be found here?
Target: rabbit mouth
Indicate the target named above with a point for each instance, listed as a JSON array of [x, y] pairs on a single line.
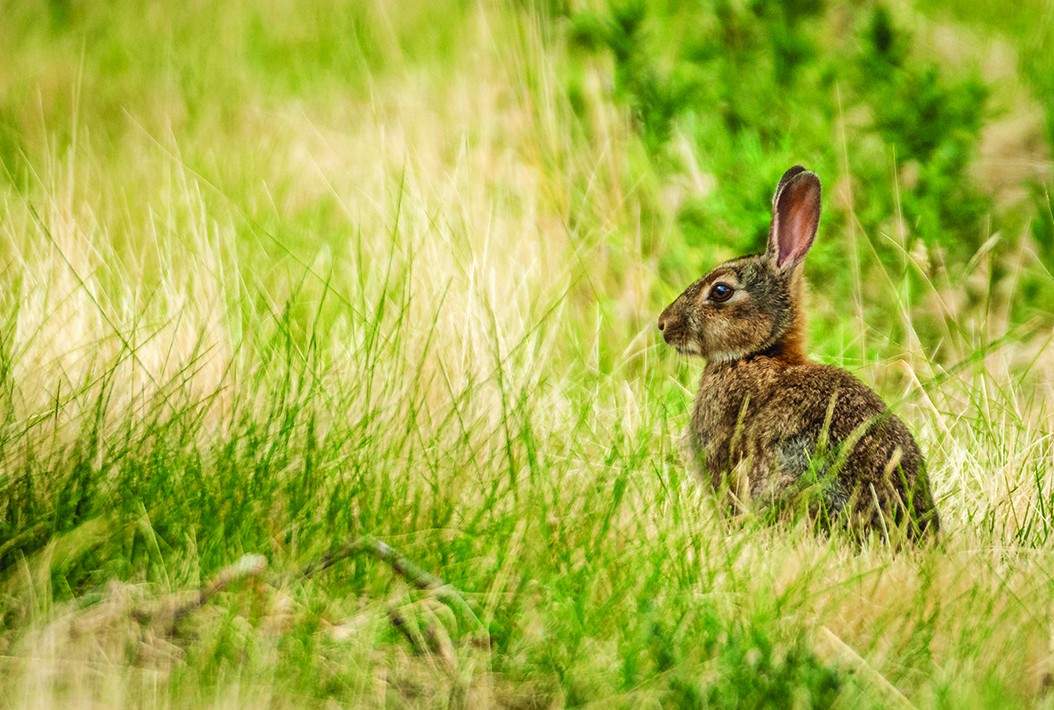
[[687, 347], [681, 340]]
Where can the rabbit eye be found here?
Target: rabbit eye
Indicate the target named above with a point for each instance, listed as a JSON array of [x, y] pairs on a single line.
[[720, 292]]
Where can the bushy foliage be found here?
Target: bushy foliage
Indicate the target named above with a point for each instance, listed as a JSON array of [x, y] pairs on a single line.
[[757, 85]]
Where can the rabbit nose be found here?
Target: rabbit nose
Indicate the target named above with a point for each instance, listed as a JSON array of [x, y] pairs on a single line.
[[667, 325]]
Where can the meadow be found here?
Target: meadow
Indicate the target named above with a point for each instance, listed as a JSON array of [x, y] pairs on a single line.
[[330, 373]]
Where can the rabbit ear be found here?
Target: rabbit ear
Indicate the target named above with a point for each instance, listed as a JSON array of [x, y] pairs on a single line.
[[795, 217]]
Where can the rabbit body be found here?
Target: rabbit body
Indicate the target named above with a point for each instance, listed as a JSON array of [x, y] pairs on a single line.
[[768, 424], [773, 417]]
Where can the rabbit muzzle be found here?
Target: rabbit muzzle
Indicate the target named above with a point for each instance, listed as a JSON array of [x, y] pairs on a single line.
[[675, 332]]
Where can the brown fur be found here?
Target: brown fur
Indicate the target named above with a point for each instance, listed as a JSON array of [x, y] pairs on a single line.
[[796, 430]]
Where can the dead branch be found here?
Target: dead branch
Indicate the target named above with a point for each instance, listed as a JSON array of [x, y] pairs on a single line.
[[402, 566], [171, 613]]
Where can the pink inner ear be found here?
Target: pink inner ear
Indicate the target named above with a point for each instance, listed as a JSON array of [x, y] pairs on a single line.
[[798, 215]]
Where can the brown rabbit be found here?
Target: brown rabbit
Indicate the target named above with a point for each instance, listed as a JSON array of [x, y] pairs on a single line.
[[768, 423]]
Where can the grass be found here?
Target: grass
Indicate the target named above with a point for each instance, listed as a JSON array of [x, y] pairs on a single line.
[[283, 278]]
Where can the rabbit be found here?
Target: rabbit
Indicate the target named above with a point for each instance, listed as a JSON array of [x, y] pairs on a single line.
[[773, 428]]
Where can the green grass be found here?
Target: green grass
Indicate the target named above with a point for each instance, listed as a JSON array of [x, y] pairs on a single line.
[[284, 278]]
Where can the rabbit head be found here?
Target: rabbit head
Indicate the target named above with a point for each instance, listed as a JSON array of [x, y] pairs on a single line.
[[752, 305]]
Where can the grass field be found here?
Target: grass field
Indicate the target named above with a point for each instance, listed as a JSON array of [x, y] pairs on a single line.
[[330, 376]]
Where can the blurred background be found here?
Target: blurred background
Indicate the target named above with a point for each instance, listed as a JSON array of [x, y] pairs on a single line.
[[929, 123]]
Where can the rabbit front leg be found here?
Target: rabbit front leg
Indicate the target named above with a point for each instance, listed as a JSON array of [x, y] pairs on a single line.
[[692, 453]]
